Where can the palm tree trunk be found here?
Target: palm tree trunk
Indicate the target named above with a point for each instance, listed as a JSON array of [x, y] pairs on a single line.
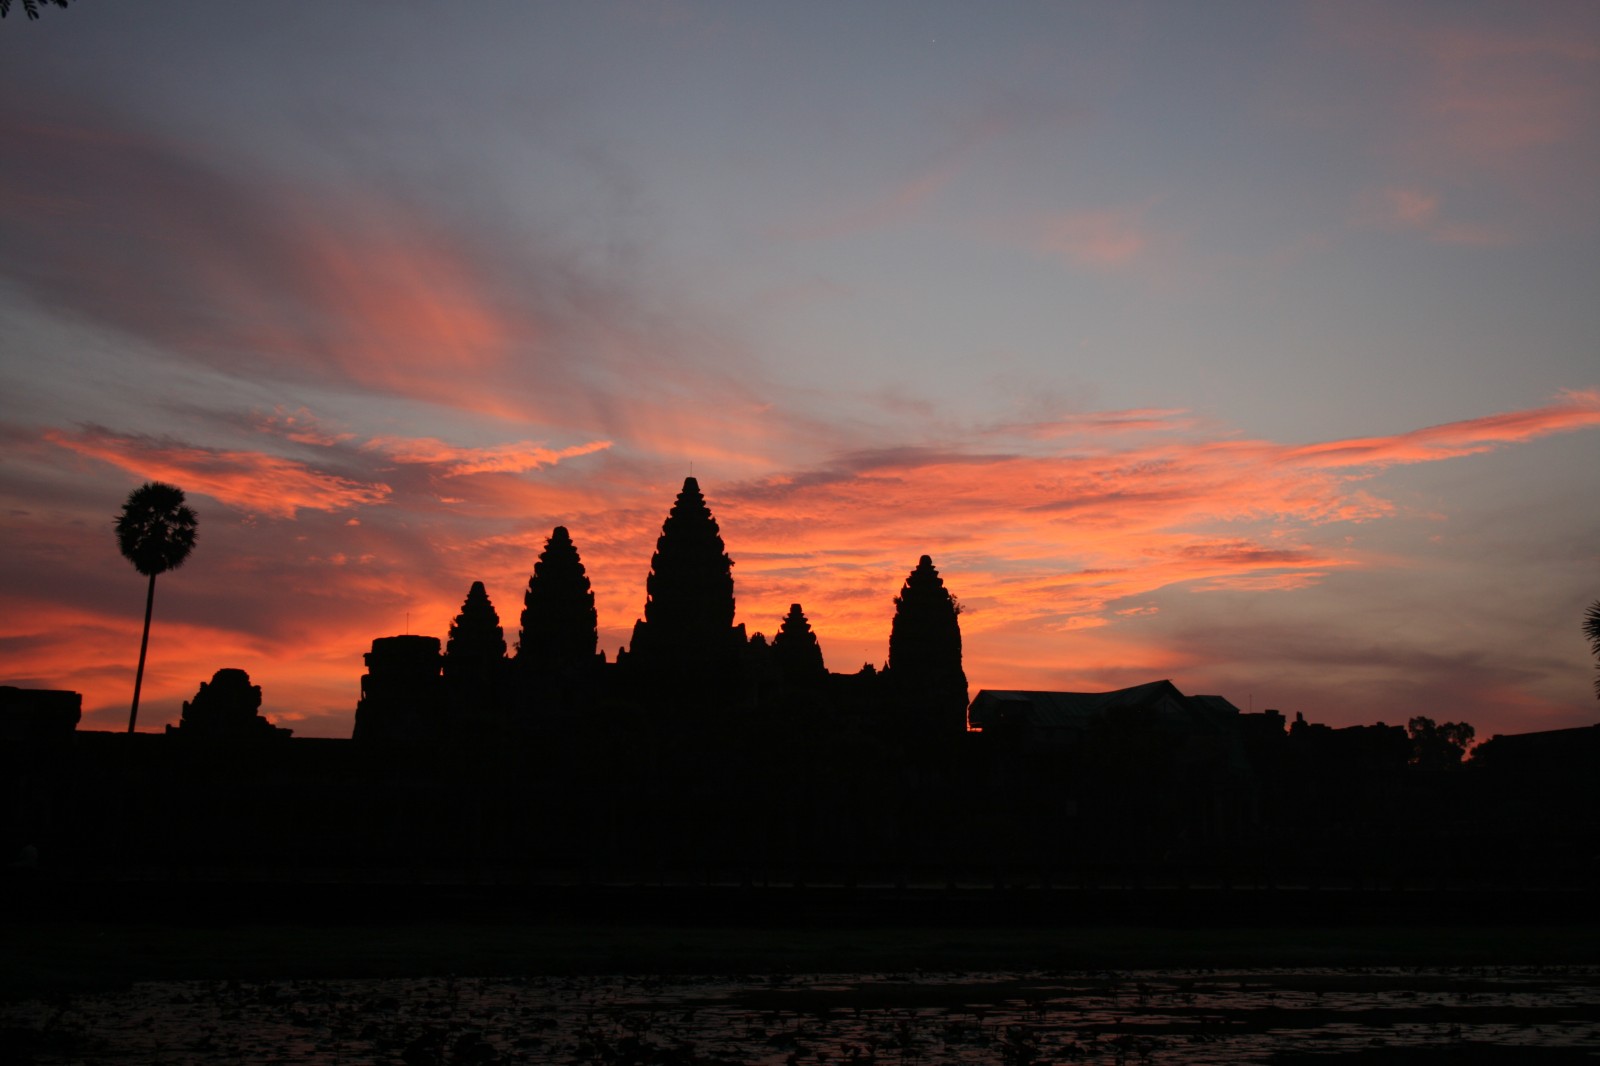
[[144, 642]]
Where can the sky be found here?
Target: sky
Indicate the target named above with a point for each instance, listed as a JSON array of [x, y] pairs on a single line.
[[1251, 345]]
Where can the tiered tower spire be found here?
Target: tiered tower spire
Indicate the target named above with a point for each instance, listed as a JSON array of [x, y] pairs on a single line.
[[797, 652], [925, 674], [560, 629], [687, 632]]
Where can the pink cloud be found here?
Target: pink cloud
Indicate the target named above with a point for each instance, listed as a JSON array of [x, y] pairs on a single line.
[[1497, 96], [1420, 211], [1103, 240], [1410, 207], [1477, 90], [897, 205], [1496, 115]]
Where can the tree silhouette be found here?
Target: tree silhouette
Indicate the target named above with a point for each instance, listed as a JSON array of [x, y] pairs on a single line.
[[31, 7], [924, 670], [1591, 629], [797, 652], [1438, 746], [156, 533], [560, 629]]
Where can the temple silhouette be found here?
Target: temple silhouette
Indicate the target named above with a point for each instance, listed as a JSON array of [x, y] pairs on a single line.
[[703, 754], [687, 654]]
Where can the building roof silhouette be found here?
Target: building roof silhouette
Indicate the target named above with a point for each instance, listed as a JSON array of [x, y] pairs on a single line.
[[1061, 714]]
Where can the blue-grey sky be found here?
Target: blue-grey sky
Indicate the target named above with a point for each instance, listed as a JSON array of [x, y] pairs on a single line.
[[1252, 345]]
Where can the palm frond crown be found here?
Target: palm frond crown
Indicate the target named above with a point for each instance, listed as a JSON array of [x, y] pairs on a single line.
[[1591, 629], [155, 531]]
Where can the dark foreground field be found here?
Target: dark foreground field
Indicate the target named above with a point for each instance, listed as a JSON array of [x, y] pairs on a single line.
[[82, 933], [74, 956], [201, 971], [1197, 1017]]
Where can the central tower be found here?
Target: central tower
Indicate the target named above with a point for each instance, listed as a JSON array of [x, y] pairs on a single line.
[[687, 636]]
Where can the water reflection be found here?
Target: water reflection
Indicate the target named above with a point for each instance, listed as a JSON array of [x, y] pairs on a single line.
[[1488, 1015]]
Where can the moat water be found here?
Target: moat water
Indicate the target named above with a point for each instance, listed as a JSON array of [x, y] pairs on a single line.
[[1379, 1015]]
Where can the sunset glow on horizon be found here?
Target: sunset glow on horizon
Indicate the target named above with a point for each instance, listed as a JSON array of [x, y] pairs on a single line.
[[1269, 368]]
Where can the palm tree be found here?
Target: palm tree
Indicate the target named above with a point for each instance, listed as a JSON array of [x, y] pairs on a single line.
[[1591, 629], [29, 6], [156, 533]]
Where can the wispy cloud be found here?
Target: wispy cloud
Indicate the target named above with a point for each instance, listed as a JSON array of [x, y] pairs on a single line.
[[1497, 96], [912, 195], [142, 233], [1105, 239], [276, 280], [1417, 210], [1495, 114], [1575, 409], [896, 205]]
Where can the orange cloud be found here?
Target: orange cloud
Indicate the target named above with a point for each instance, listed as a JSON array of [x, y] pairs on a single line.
[[1577, 409], [457, 461], [94, 653], [300, 426], [151, 236], [1049, 540], [254, 482], [363, 296], [310, 672], [1059, 542]]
